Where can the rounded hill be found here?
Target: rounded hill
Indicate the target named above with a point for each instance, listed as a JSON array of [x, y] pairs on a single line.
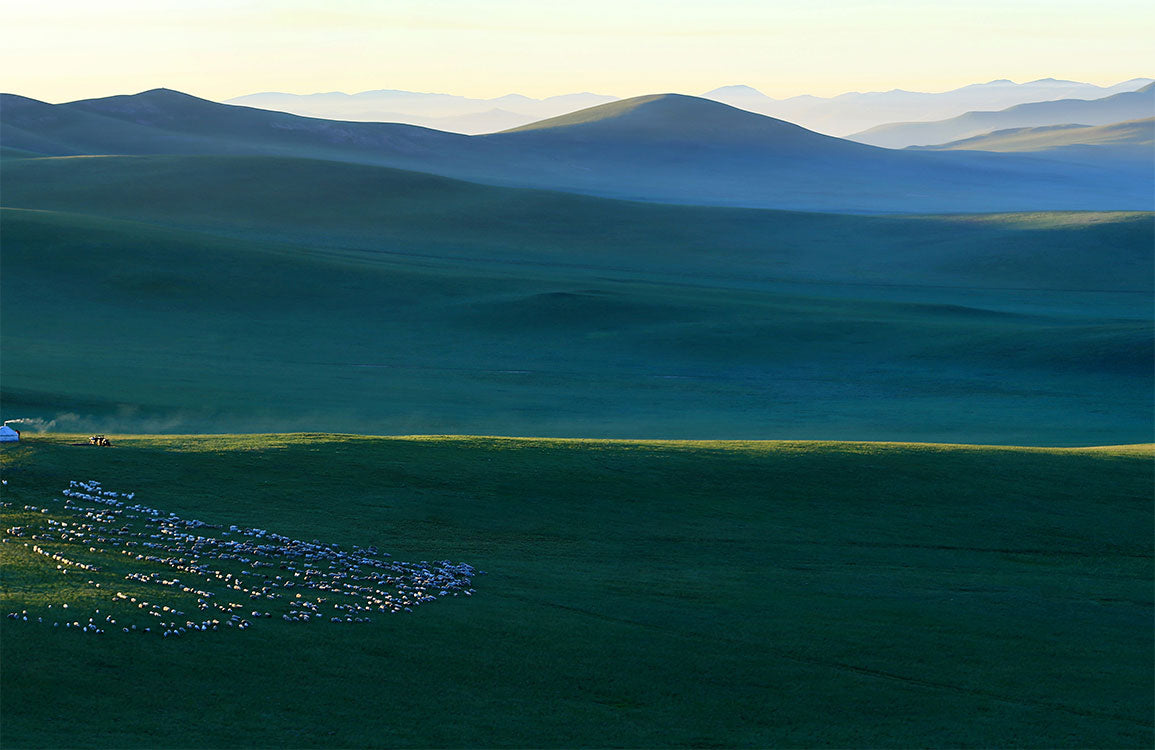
[[676, 117]]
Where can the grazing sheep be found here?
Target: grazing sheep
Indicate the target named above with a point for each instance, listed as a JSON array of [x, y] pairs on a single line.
[[352, 582]]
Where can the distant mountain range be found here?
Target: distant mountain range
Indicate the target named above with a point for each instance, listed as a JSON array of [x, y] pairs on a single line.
[[1132, 105], [663, 148], [838, 115], [853, 112], [458, 114]]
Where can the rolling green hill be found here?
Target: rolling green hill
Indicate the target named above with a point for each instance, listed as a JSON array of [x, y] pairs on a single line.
[[1130, 134], [325, 204], [162, 121], [647, 120], [637, 594], [1125, 144], [254, 293]]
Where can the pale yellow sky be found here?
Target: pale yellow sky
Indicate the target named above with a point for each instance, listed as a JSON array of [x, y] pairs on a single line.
[[59, 50]]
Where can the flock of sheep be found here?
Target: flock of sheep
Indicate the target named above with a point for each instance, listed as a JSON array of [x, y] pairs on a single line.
[[210, 577]]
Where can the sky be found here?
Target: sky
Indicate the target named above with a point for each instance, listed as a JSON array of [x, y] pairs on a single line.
[[61, 50]]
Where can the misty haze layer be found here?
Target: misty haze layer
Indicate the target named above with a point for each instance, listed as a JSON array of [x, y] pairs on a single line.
[[839, 115]]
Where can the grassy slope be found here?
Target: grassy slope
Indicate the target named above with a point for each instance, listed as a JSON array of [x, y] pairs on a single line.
[[639, 594], [373, 208], [479, 310], [1134, 134]]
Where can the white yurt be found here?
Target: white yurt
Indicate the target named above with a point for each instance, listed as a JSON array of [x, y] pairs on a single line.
[[8, 435]]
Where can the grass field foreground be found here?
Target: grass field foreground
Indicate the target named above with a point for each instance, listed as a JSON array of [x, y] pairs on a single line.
[[637, 594]]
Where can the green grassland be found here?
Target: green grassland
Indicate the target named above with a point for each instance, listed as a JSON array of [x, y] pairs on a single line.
[[209, 294], [638, 594]]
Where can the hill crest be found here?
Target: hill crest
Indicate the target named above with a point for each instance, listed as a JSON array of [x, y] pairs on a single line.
[[669, 118]]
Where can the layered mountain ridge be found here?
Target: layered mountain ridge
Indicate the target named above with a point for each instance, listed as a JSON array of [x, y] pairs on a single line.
[[839, 115], [663, 148], [1131, 105]]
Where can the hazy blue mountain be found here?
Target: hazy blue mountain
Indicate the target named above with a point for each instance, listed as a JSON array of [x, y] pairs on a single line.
[[1132, 105], [59, 130], [1125, 135], [162, 121], [472, 123], [684, 149], [458, 114], [1126, 150], [662, 118], [664, 148], [854, 112], [1121, 147]]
